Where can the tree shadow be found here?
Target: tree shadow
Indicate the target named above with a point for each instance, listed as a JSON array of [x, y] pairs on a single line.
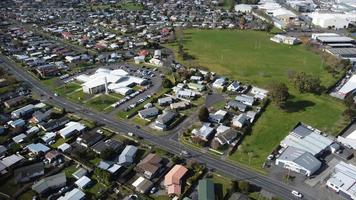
[[297, 106], [219, 193]]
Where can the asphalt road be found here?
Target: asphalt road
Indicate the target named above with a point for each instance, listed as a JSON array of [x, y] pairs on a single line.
[[276, 187]]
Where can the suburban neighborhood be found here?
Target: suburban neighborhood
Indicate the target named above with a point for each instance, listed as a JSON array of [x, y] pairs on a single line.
[[177, 100]]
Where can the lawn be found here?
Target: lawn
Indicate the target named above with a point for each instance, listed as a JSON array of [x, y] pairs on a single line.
[[222, 186], [67, 89], [59, 142], [250, 57], [131, 6], [101, 102]]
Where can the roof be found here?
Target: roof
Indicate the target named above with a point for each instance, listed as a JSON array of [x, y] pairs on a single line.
[[304, 138], [301, 158], [148, 112], [103, 145], [205, 131], [142, 184], [36, 169], [38, 147], [166, 117], [80, 173], [71, 127], [206, 189], [74, 194], [11, 160], [19, 138], [49, 182], [174, 176], [64, 146], [114, 168], [150, 163], [349, 86], [344, 177], [83, 182], [335, 39], [127, 155]]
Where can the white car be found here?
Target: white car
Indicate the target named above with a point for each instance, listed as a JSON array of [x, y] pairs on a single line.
[[297, 194]]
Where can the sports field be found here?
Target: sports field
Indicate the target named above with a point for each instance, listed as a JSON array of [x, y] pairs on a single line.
[[250, 57]]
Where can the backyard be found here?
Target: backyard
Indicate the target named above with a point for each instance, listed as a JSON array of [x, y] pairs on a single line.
[[250, 57]]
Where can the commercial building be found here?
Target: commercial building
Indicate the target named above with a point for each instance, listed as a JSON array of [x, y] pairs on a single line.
[[333, 20], [343, 180], [299, 161]]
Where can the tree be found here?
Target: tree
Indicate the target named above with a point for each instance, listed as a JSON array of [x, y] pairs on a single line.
[[306, 82], [203, 114], [107, 154], [244, 187], [350, 113], [279, 94], [269, 27], [102, 176], [166, 83]]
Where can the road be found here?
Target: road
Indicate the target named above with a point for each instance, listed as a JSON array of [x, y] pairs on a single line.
[[276, 187]]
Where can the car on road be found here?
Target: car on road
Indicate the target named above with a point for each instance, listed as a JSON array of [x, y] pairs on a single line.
[[297, 194]]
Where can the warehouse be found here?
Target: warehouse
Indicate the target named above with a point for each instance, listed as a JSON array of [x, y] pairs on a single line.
[[299, 161], [306, 138], [332, 20]]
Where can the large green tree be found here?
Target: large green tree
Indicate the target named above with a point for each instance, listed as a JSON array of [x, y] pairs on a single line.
[[279, 94]]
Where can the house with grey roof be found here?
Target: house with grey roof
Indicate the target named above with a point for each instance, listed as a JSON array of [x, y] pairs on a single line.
[[26, 173], [50, 182], [204, 133], [165, 101], [127, 155], [299, 161], [148, 113], [163, 121], [241, 120], [236, 105], [245, 99]]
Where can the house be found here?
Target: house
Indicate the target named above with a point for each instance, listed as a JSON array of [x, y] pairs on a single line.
[[343, 180], [47, 70], [50, 182], [157, 54], [245, 99], [236, 105], [148, 113], [196, 78], [142, 185], [13, 102], [19, 138], [165, 101], [12, 160], [17, 123], [83, 182], [115, 169], [187, 94], [52, 156], [196, 86], [3, 150], [150, 165], [70, 129], [40, 116], [285, 39], [234, 86], [259, 93], [26, 173], [53, 124], [219, 83], [88, 139], [163, 121], [206, 190], [102, 145], [127, 155], [174, 179], [180, 105], [299, 161], [80, 173], [252, 115], [36, 148], [49, 137], [204, 133], [241, 120], [218, 116], [65, 147], [227, 137], [74, 194], [23, 111]]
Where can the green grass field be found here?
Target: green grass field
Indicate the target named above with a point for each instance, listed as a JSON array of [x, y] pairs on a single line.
[[101, 102], [250, 57]]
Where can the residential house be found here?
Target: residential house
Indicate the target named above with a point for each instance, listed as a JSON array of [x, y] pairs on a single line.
[[206, 189], [23, 111], [180, 105], [234, 86], [80, 173], [204, 133], [127, 155], [70, 129], [102, 145], [83, 182], [49, 137], [218, 116], [52, 156], [163, 121], [142, 185], [36, 148], [3, 150], [26, 173], [12, 160], [259, 93], [88, 139], [165, 101], [40, 116], [19, 138], [13, 102], [219, 83], [241, 120], [196, 86], [174, 179], [53, 124], [17, 123], [236, 105], [65, 147], [245, 99], [148, 113], [50, 182], [150, 165], [74, 194]]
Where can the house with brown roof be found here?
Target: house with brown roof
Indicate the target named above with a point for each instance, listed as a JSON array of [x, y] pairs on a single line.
[[150, 165], [173, 180], [13, 102]]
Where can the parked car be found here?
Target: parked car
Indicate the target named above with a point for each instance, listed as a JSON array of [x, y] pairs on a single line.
[[297, 194]]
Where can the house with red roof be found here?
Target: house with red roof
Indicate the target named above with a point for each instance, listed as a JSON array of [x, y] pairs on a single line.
[[173, 180]]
